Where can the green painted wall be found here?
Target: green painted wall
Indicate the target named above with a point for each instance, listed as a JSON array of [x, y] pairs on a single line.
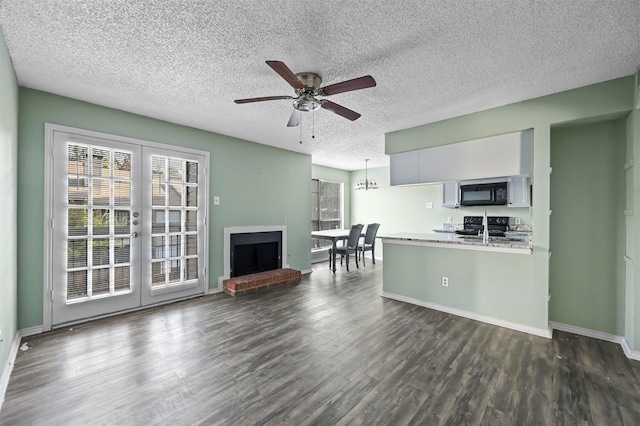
[[611, 99], [586, 269], [475, 284], [9, 196], [633, 233], [257, 184]]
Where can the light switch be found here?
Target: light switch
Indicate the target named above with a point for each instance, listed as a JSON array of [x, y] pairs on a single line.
[[216, 201]]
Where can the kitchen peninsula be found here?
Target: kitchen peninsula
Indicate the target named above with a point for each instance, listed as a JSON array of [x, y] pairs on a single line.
[[490, 282]]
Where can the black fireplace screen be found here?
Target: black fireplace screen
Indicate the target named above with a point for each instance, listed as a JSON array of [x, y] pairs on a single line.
[[255, 252]]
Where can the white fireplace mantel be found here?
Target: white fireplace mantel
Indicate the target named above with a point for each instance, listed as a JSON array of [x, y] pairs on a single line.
[[228, 231]]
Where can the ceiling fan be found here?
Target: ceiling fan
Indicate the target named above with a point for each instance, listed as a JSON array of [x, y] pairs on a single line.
[[307, 88]]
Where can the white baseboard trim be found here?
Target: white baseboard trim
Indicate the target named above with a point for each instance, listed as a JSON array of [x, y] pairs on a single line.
[[8, 367], [546, 333], [31, 331], [607, 337], [11, 358]]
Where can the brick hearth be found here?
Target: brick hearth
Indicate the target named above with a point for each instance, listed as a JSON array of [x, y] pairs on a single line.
[[252, 283]]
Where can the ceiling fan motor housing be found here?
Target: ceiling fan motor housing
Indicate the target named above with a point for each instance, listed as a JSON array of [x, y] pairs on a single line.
[[306, 101]]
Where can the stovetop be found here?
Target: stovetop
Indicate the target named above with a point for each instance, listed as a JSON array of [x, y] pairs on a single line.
[[497, 225]]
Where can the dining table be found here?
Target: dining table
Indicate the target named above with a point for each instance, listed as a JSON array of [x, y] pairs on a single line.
[[333, 235]]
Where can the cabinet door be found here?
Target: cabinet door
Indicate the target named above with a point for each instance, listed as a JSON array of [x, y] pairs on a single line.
[[404, 168], [518, 189], [450, 195]]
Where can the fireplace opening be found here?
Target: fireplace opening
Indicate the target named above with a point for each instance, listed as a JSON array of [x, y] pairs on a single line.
[[255, 252]]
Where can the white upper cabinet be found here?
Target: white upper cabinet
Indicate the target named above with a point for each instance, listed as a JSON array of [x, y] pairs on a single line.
[[404, 169], [451, 194], [497, 156], [518, 190]]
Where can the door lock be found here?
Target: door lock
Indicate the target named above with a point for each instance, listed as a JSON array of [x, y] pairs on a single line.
[[135, 235]]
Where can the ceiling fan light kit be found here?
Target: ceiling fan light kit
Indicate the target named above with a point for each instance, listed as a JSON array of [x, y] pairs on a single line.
[[307, 88]]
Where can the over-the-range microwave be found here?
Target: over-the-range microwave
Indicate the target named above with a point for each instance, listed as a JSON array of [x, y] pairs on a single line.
[[484, 194]]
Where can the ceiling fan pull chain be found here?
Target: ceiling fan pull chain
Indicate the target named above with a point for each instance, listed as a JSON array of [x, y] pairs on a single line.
[[313, 124], [300, 126]]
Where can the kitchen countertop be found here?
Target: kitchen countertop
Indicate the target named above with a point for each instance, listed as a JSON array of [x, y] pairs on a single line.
[[450, 240]]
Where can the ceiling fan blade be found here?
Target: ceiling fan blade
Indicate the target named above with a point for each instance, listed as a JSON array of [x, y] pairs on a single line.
[[266, 98], [294, 120], [286, 73], [340, 110], [349, 85]]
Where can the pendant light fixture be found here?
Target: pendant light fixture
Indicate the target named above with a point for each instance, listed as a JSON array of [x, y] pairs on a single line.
[[366, 183]]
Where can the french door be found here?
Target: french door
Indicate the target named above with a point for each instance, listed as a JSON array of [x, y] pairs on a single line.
[[128, 226]]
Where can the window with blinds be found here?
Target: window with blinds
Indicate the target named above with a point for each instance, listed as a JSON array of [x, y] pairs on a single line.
[[326, 208], [98, 220], [174, 246]]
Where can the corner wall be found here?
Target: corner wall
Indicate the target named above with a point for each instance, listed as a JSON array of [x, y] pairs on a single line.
[[8, 212]]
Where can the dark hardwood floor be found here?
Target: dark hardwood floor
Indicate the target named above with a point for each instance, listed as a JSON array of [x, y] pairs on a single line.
[[327, 351]]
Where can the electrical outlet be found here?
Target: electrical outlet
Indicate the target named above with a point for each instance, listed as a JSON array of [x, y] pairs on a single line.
[[445, 281], [449, 219], [216, 200], [517, 221], [429, 205]]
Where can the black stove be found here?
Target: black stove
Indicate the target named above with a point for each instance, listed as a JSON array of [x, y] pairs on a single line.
[[497, 225]]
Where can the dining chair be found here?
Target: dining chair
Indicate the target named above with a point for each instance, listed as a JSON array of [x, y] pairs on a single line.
[[369, 242], [350, 246]]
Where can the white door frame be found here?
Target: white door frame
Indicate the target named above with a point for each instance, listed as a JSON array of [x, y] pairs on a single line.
[[49, 130]]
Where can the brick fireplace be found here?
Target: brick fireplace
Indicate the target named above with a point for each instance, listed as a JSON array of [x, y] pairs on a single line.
[[255, 257]]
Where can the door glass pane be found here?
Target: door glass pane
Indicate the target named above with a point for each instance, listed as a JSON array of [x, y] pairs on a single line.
[[191, 224], [101, 164], [78, 222], [121, 193], [92, 250], [158, 221], [175, 194], [158, 249], [175, 170], [100, 251], [76, 285], [192, 245], [121, 278], [192, 269], [78, 191], [192, 196], [77, 254], [192, 172], [77, 159], [174, 245], [101, 222], [122, 164], [100, 280], [121, 250], [101, 194], [122, 222], [174, 220]]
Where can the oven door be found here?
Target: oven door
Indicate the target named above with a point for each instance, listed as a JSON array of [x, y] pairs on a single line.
[[483, 194]]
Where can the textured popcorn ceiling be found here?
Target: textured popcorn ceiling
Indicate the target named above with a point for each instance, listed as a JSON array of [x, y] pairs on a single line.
[[185, 61]]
